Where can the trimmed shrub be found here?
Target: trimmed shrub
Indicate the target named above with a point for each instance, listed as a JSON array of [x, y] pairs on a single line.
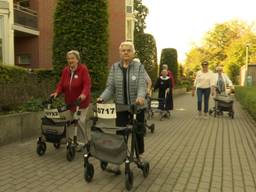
[[83, 26], [169, 56], [246, 96], [146, 51], [19, 85]]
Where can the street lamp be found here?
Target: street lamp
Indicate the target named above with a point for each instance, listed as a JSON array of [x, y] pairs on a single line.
[[247, 56]]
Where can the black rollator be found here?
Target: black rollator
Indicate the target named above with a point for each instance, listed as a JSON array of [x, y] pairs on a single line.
[[113, 148]]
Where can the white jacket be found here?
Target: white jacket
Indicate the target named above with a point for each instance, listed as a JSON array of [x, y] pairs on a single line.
[[227, 81]]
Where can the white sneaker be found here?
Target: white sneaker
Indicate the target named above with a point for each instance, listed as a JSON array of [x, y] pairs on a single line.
[[205, 116], [199, 115]]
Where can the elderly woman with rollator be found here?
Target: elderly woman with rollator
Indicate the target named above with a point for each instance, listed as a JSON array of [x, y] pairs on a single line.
[[75, 84], [126, 83]]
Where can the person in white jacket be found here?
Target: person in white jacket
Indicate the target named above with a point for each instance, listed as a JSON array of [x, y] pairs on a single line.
[[222, 81], [203, 86]]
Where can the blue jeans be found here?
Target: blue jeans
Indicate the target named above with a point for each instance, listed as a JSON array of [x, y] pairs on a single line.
[[203, 92]]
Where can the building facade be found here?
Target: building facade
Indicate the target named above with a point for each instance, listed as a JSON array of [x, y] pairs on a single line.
[[26, 31], [6, 32], [248, 75]]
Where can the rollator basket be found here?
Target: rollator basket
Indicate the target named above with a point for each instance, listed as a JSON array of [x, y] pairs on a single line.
[[224, 101], [52, 130], [54, 124], [108, 147]]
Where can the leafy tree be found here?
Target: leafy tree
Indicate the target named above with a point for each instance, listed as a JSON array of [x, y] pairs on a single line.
[[236, 55], [194, 58], [83, 26], [169, 56], [224, 44], [141, 12]]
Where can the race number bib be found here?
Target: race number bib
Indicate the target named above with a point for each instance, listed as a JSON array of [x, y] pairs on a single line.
[[154, 104], [52, 113], [106, 111]]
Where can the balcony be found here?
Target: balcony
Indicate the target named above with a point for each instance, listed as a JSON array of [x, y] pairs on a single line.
[[25, 17]]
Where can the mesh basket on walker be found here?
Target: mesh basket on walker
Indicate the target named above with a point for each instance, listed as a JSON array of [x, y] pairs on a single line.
[[54, 124], [108, 147]]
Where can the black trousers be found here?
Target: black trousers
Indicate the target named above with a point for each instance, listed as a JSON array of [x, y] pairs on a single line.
[[123, 119]]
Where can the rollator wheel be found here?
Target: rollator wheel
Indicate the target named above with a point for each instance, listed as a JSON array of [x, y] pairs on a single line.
[[103, 165], [41, 148], [129, 180], [56, 145], [71, 152], [161, 116], [152, 128], [88, 172], [231, 114], [145, 168]]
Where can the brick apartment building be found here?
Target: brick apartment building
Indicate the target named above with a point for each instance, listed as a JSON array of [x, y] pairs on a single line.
[[26, 31]]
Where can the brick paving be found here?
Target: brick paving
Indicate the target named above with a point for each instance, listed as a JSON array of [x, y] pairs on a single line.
[[185, 154]]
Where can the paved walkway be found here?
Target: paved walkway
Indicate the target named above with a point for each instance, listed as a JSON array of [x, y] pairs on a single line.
[[185, 154]]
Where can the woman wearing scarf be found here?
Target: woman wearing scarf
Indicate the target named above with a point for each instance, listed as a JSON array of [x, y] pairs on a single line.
[[164, 86], [221, 81]]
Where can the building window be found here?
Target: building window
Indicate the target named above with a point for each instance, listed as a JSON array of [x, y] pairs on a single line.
[[1, 38], [24, 59], [23, 3], [129, 30], [129, 9], [129, 2]]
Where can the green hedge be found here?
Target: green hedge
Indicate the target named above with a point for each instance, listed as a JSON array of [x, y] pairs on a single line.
[[146, 51], [18, 86], [169, 56], [82, 25], [247, 97]]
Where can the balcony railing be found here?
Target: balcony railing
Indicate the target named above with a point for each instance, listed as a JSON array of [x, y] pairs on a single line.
[[25, 17]]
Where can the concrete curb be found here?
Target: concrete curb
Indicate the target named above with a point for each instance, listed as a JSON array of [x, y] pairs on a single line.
[[17, 127]]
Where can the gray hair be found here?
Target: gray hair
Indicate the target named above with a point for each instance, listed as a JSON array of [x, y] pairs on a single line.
[[74, 52], [165, 66], [128, 43]]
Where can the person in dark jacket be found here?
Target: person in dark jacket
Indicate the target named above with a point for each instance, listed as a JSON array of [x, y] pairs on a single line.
[[127, 85], [75, 83], [164, 86]]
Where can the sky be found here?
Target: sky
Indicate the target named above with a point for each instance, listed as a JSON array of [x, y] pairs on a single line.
[[181, 23]]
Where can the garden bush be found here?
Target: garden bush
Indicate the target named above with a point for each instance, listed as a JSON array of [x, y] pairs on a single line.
[[247, 97], [19, 85]]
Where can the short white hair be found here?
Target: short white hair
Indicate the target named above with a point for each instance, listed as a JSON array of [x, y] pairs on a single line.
[[74, 52], [127, 43], [136, 60]]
